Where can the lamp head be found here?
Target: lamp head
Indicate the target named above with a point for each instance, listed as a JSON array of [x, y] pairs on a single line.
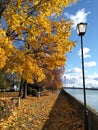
[[81, 28]]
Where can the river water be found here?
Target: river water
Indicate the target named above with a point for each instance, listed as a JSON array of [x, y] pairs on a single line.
[[91, 96]]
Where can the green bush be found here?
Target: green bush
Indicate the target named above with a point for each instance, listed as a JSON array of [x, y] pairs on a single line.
[[6, 108]]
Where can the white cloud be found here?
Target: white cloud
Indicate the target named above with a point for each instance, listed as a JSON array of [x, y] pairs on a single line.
[[85, 52], [80, 16], [90, 64], [77, 80], [74, 70], [87, 55]]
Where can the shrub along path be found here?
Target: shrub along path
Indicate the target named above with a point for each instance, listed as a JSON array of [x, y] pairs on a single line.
[[49, 112]]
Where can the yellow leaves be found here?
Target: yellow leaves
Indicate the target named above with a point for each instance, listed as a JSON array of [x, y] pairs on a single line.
[[15, 22], [18, 69], [69, 46], [2, 58], [48, 40], [55, 60], [44, 22], [5, 47], [35, 113], [19, 2], [36, 2], [4, 40], [60, 60], [32, 70], [2, 33]]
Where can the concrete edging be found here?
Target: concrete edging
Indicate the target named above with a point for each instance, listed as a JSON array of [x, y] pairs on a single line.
[[92, 114]]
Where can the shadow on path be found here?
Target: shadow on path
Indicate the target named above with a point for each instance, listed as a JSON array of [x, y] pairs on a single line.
[[63, 116]]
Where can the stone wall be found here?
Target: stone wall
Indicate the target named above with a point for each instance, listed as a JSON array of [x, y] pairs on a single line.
[[92, 114]]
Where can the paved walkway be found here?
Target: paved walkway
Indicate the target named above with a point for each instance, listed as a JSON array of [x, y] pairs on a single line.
[[50, 112]]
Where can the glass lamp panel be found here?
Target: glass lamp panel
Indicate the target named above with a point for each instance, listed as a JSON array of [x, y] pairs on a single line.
[[82, 28]]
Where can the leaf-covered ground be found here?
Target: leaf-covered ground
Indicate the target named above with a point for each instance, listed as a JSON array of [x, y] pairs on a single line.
[[52, 112]]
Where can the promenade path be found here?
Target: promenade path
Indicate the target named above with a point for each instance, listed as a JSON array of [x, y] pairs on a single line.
[[48, 112]]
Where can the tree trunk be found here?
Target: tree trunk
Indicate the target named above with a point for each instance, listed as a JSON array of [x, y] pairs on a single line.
[[21, 88], [24, 90]]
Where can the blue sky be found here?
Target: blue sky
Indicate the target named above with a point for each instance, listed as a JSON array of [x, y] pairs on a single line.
[[83, 11]]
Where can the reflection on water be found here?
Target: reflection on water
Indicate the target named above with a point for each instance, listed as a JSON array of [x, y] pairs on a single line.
[[91, 96]]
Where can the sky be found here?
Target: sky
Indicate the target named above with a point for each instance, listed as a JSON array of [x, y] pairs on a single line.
[[83, 11]]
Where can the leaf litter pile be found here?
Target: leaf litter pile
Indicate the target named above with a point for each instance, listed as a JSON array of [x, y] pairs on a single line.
[[51, 112]]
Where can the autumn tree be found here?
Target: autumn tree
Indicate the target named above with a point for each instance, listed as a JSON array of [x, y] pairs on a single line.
[[44, 41], [53, 78]]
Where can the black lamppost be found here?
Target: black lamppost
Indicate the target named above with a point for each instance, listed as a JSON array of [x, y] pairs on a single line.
[[81, 29]]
